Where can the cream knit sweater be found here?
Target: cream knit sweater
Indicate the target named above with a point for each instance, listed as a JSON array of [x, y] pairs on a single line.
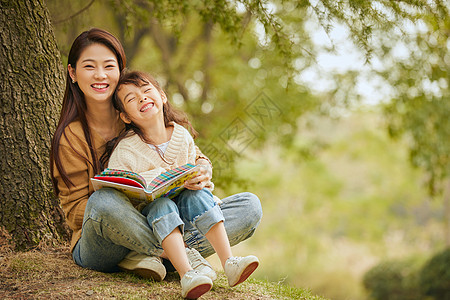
[[135, 155]]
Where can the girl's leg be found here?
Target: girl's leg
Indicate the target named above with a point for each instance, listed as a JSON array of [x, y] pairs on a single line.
[[198, 210], [242, 213], [218, 238], [163, 218], [111, 228], [174, 248]]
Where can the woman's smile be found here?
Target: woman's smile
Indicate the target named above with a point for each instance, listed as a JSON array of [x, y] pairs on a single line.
[[100, 87]]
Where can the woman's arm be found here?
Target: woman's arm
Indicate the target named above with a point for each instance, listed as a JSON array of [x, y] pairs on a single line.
[[73, 198]]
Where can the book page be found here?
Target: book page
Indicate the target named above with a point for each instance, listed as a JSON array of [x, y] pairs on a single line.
[[174, 186]]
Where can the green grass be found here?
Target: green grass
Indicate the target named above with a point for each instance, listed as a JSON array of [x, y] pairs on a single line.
[[51, 274]]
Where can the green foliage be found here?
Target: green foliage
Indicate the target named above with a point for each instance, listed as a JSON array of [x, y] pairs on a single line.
[[362, 17], [393, 280], [420, 106], [330, 216], [435, 276], [410, 278], [216, 57]]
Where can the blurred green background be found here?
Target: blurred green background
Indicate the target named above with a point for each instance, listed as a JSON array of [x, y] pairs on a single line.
[[336, 114]]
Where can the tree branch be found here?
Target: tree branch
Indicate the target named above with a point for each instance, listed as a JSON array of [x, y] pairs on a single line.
[[75, 14]]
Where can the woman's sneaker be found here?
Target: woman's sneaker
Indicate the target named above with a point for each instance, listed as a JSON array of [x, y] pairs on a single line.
[[194, 284], [238, 269], [200, 264], [143, 265]]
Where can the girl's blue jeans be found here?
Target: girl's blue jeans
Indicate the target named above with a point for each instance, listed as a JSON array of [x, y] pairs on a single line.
[[112, 226]]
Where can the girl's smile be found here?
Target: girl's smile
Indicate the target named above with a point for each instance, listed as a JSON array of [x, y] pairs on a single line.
[[147, 106]]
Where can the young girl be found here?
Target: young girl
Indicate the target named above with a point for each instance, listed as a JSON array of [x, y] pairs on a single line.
[[155, 142]]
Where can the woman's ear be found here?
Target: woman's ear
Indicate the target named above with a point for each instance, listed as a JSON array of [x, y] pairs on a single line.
[[72, 73], [163, 97], [124, 118]]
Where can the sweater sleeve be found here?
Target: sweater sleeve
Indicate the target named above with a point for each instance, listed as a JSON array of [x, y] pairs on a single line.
[[200, 155], [194, 149], [74, 197]]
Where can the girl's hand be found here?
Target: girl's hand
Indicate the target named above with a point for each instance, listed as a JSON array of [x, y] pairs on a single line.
[[201, 179]]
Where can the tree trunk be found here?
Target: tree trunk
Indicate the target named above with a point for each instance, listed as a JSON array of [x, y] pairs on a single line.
[[30, 94]]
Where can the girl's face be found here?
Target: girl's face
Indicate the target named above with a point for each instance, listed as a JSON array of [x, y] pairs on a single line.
[[97, 73], [141, 103]]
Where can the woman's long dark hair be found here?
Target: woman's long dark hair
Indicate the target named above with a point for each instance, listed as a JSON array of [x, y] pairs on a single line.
[[139, 79], [74, 103]]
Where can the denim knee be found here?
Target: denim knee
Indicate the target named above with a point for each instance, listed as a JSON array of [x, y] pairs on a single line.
[[158, 208], [198, 210], [163, 217], [106, 202], [253, 210], [193, 203]]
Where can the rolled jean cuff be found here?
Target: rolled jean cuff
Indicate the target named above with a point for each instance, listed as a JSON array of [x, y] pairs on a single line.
[[163, 226], [204, 222]]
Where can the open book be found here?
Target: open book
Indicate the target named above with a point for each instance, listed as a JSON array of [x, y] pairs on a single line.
[[168, 184]]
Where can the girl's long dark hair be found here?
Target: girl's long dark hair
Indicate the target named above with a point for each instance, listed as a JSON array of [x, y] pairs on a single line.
[[139, 79], [74, 104]]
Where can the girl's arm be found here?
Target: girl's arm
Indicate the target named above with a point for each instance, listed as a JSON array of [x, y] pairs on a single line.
[[206, 164], [204, 178], [201, 158]]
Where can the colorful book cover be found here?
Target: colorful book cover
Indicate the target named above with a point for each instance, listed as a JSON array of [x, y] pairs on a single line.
[[168, 184]]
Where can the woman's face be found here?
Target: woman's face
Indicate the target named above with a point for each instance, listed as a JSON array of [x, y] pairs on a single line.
[[97, 73], [141, 103]]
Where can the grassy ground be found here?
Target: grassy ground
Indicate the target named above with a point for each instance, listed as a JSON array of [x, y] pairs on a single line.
[[49, 273]]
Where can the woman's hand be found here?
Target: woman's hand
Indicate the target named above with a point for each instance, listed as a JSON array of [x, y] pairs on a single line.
[[201, 179]]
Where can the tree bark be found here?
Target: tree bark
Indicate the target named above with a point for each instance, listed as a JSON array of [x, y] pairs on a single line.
[[30, 94]]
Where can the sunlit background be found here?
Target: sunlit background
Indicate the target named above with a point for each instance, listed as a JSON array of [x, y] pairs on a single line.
[[345, 144]]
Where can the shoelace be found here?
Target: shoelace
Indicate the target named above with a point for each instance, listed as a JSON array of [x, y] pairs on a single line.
[[233, 260], [197, 260], [194, 272]]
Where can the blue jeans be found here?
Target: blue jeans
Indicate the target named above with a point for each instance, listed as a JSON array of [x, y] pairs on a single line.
[[112, 226], [190, 210]]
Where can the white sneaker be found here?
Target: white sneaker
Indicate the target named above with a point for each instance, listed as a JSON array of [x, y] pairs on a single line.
[[143, 265], [200, 264], [238, 269], [194, 284]]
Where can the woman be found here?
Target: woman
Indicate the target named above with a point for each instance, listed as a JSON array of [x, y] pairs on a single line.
[[108, 232]]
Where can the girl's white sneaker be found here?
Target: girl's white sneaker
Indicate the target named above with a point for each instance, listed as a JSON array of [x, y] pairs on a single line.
[[198, 263], [194, 284], [238, 269]]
